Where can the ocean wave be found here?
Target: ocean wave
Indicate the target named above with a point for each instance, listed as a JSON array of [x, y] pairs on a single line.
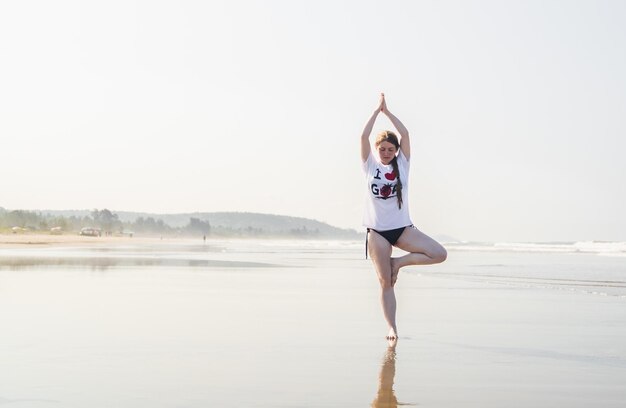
[[605, 248]]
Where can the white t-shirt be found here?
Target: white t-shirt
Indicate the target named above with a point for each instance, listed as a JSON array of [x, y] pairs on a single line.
[[381, 205]]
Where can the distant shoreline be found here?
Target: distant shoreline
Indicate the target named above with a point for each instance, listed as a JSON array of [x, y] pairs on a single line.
[[217, 224]]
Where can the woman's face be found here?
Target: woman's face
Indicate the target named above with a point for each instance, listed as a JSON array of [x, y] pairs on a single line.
[[386, 152]]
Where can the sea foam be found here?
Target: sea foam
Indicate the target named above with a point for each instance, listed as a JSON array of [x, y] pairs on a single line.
[[605, 248]]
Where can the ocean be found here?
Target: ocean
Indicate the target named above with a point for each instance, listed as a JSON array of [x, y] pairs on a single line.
[[597, 268]]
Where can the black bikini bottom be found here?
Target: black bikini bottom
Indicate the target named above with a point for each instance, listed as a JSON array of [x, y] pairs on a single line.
[[391, 236]]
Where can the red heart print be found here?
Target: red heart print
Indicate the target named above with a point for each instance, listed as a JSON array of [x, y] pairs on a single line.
[[390, 176], [385, 190]]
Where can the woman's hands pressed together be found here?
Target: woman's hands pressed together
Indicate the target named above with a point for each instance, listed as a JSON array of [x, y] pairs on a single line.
[[383, 104]]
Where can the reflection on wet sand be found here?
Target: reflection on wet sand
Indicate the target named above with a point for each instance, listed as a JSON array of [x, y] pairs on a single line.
[[103, 263], [386, 397], [140, 255]]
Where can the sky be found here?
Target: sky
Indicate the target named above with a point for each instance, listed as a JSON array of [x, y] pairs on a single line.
[[515, 110]]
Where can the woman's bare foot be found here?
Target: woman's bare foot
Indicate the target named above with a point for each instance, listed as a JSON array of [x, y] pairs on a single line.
[[395, 269], [392, 335]]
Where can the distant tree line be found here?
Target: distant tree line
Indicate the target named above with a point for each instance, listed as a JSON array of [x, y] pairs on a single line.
[[106, 220], [110, 224]]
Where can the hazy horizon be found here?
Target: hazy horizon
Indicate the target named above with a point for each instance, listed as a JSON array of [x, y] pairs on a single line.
[[553, 245], [515, 110]]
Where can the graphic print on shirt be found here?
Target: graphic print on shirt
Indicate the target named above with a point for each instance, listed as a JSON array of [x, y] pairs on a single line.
[[386, 190]]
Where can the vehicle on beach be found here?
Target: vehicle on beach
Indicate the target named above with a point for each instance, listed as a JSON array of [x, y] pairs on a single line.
[[56, 231], [91, 232]]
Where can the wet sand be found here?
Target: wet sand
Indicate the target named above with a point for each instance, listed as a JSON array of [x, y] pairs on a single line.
[[302, 327], [26, 239]]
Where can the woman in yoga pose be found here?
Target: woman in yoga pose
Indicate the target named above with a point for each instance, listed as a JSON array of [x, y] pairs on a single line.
[[386, 213]]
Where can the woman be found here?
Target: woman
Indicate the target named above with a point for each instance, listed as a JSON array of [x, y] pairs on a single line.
[[387, 211]]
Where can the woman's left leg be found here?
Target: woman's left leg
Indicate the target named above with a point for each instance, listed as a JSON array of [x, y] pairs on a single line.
[[422, 250]]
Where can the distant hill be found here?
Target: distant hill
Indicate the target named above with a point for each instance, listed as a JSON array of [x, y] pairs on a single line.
[[231, 224], [244, 222]]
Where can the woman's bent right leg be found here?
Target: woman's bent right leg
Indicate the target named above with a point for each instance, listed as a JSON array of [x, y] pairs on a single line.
[[422, 250], [380, 252]]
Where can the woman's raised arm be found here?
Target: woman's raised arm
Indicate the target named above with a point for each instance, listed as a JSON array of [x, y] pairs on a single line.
[[366, 148]]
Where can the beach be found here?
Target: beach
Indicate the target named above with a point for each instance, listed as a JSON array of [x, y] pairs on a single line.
[[35, 239], [252, 323]]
